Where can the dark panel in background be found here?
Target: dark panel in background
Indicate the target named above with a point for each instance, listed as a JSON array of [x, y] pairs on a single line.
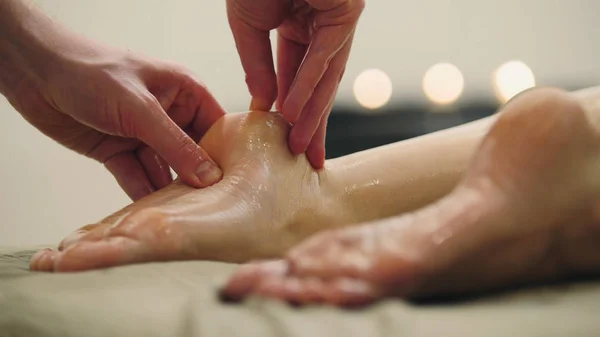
[[352, 130]]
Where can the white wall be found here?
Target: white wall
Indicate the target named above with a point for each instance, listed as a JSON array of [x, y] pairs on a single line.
[[47, 191]]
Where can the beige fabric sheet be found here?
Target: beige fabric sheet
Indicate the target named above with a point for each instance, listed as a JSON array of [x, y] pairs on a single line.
[[179, 299]]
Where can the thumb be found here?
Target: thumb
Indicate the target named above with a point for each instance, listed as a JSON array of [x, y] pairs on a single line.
[[192, 164]]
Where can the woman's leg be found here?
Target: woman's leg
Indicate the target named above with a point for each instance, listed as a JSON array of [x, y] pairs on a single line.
[[526, 210], [268, 200]]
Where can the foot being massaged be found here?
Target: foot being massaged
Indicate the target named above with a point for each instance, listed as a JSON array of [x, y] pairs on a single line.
[[513, 200], [507, 200]]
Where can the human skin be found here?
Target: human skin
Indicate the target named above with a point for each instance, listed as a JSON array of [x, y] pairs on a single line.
[[526, 211], [314, 38], [499, 212], [136, 115], [268, 199]]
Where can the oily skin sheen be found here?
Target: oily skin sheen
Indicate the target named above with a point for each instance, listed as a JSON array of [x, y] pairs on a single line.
[[253, 211], [489, 219], [519, 215], [267, 201]]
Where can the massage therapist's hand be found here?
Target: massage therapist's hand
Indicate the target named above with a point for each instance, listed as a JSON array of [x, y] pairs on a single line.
[[313, 46], [136, 115], [110, 105]]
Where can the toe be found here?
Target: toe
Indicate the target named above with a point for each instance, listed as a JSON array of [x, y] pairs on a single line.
[[43, 260], [139, 236], [108, 252]]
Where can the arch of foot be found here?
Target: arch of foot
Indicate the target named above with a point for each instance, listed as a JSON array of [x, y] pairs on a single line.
[[267, 201]]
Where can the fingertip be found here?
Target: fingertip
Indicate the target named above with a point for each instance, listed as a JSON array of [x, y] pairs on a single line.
[[37, 261], [263, 91], [316, 156], [316, 149], [208, 173], [296, 144], [193, 165], [260, 104], [291, 115], [279, 106], [316, 152], [299, 140]]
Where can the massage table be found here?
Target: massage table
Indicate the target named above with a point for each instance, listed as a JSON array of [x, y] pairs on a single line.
[[180, 299]]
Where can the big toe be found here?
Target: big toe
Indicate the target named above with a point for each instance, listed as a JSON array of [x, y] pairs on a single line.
[[43, 260], [108, 252]]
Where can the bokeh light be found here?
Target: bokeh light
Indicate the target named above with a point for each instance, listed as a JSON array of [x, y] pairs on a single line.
[[511, 78], [373, 88], [443, 83]]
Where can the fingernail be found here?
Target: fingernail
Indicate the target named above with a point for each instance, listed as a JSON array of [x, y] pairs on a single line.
[[208, 173]]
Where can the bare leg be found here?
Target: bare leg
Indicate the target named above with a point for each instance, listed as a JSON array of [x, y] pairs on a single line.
[[526, 210], [268, 200]]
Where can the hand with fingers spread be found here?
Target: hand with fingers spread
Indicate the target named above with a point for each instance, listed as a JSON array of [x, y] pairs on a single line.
[[136, 115], [517, 216], [314, 41]]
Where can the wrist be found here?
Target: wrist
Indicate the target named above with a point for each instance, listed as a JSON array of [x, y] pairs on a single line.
[[32, 44]]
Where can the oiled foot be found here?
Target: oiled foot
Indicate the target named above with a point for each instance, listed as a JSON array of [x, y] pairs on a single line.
[[526, 211], [254, 212]]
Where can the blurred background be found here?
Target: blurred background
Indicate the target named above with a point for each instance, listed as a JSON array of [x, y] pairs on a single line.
[[416, 67]]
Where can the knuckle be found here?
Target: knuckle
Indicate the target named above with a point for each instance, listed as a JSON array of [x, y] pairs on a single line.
[[129, 115], [125, 124], [148, 101]]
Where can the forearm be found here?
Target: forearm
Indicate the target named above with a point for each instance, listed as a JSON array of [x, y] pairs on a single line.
[[31, 43], [404, 176], [21, 41]]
